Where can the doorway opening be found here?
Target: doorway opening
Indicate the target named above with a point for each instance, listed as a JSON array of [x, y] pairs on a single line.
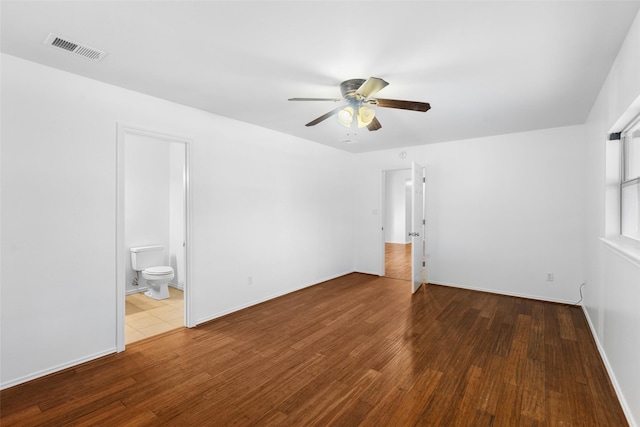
[[397, 223], [153, 217], [404, 224]]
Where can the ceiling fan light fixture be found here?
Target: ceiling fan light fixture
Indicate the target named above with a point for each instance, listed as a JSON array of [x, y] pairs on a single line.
[[357, 93], [365, 116], [345, 116]]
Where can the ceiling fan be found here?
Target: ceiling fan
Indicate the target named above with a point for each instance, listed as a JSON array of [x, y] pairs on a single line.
[[357, 93]]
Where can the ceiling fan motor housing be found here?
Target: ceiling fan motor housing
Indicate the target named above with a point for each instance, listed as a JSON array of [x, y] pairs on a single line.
[[348, 89]]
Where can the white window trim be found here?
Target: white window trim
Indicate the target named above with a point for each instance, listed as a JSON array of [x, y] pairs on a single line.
[[623, 174], [626, 247]]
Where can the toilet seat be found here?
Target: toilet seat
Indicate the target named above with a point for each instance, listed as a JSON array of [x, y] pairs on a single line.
[[158, 271]]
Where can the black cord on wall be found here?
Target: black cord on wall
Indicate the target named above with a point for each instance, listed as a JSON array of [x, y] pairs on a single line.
[[581, 297]]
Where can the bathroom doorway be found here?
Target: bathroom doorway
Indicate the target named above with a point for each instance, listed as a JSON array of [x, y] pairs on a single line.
[[153, 210]]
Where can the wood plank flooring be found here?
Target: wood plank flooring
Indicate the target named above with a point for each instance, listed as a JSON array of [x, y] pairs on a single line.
[[397, 261], [357, 350]]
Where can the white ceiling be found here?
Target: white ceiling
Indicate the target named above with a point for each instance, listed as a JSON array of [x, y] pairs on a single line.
[[486, 67]]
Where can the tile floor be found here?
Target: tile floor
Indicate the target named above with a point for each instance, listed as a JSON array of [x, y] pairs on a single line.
[[146, 317]]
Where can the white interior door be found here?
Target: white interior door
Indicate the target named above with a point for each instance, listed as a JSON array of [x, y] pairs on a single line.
[[417, 226]]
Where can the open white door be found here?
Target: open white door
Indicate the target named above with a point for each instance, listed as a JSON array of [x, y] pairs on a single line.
[[417, 232]]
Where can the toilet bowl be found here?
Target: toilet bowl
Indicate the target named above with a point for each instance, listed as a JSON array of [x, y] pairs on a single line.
[[158, 279], [147, 261]]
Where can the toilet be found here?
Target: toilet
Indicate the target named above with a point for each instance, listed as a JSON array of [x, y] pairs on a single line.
[[148, 261]]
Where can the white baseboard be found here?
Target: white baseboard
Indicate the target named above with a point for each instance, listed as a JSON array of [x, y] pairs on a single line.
[[57, 368], [270, 297], [136, 291], [373, 273], [145, 288], [494, 291], [612, 377]]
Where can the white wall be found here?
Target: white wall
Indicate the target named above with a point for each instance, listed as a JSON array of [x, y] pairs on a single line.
[[285, 218], [501, 212], [147, 199], [613, 279], [396, 206]]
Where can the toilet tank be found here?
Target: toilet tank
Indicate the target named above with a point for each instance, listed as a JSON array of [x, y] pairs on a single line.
[[147, 256]]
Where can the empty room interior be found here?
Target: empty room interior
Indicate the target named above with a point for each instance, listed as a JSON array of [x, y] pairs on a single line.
[[320, 213]]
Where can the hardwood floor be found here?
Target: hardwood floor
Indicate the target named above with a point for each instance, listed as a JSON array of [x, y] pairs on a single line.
[[357, 350], [397, 261]]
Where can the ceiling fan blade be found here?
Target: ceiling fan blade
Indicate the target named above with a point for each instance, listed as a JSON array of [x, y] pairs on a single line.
[[315, 99], [403, 105], [372, 86], [324, 117], [374, 125]]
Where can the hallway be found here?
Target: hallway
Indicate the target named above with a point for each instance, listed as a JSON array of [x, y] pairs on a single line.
[[397, 261]]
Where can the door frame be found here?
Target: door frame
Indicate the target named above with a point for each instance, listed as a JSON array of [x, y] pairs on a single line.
[[124, 129], [383, 221], [418, 233]]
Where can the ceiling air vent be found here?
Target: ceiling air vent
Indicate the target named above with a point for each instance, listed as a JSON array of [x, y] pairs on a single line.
[[84, 51]]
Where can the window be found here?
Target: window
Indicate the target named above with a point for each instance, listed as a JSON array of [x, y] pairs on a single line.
[[630, 182]]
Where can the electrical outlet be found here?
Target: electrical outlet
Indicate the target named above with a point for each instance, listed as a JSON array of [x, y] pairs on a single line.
[[250, 280], [549, 277]]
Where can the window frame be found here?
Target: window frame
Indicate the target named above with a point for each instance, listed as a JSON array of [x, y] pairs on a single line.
[[625, 136]]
